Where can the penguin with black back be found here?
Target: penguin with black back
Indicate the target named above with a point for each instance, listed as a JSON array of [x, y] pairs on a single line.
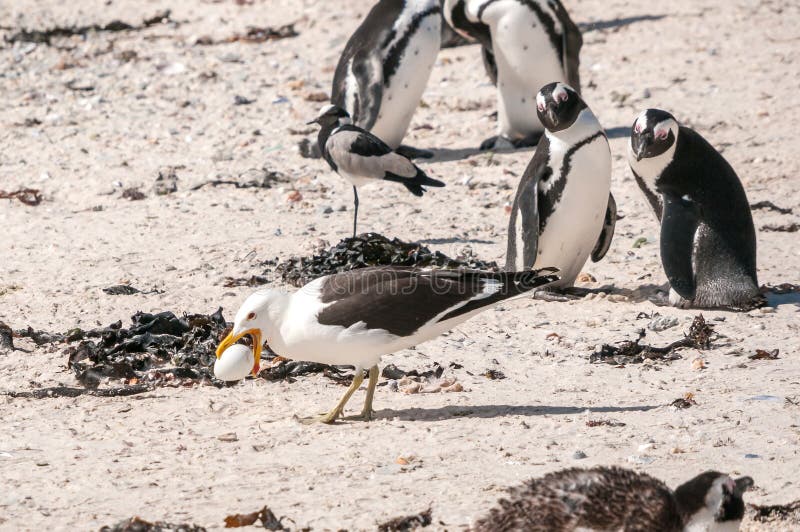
[[385, 67], [525, 44], [708, 241], [563, 211], [613, 498]]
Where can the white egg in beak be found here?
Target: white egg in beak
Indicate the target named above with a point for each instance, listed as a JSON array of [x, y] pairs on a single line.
[[235, 364]]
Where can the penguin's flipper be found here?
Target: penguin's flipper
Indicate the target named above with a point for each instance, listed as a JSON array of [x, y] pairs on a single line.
[[678, 227], [526, 203], [367, 68], [607, 234], [571, 42]]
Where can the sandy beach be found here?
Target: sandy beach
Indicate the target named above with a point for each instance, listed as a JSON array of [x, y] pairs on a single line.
[[85, 118]]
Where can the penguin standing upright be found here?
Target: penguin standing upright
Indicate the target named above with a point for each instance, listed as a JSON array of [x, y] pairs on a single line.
[[708, 242], [525, 45], [385, 67], [563, 211]]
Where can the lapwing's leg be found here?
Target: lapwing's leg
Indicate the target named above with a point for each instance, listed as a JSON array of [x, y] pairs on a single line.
[[331, 416], [413, 153], [366, 412], [355, 214]]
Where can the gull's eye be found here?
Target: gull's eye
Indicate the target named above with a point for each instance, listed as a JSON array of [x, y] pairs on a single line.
[[251, 316]]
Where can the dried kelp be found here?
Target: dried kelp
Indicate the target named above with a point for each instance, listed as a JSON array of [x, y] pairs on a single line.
[[29, 196], [47, 36], [121, 290], [255, 34], [371, 249], [777, 512], [763, 354], [409, 522], [390, 371], [785, 228], [137, 524], [494, 374], [627, 352], [268, 520], [604, 423], [67, 391], [133, 194], [253, 178], [768, 205]]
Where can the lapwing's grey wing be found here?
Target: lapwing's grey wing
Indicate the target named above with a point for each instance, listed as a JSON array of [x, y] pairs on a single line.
[[401, 300], [607, 234], [526, 203], [360, 153], [678, 227]]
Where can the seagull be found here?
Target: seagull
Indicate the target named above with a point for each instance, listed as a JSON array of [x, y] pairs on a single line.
[[355, 317], [361, 157]]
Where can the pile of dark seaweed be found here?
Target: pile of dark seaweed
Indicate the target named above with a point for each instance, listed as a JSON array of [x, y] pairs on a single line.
[[154, 350], [634, 352], [372, 249]]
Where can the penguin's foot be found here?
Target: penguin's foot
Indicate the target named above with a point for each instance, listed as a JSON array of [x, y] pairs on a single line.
[[498, 142], [528, 141], [560, 295], [677, 301], [413, 153]]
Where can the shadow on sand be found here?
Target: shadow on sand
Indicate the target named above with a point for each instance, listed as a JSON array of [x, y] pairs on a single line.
[[493, 411], [617, 22]]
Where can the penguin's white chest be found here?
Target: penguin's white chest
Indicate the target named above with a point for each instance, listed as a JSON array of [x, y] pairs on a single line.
[[526, 61], [574, 226], [403, 90]]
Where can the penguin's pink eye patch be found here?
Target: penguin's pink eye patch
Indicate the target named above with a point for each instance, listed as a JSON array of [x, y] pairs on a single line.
[[638, 128], [540, 107], [661, 134], [563, 96]]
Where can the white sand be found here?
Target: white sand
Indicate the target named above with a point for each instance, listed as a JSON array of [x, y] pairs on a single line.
[[729, 69]]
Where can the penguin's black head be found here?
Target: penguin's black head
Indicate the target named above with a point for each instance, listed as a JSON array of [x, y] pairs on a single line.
[[558, 106], [653, 133], [330, 115], [712, 499]]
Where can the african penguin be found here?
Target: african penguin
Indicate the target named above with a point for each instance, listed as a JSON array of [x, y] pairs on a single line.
[[361, 157], [563, 211], [385, 66], [613, 498], [708, 242], [526, 44]]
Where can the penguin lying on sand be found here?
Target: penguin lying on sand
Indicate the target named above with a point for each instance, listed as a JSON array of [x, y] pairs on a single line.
[[708, 242], [525, 44], [563, 211], [385, 67], [612, 498]]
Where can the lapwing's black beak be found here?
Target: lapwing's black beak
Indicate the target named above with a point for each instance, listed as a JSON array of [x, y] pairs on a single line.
[[315, 121]]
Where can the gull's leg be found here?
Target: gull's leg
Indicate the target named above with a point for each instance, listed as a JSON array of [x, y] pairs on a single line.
[[366, 412], [355, 214], [331, 416]]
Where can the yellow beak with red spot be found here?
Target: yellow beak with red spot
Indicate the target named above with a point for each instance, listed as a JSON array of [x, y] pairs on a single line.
[[257, 346]]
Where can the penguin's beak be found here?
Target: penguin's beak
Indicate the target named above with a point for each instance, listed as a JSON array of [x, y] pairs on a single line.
[[639, 145], [552, 116], [743, 484]]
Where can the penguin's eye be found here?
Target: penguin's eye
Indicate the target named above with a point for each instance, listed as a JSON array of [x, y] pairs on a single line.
[[638, 128], [563, 97], [661, 134], [251, 316], [540, 107]]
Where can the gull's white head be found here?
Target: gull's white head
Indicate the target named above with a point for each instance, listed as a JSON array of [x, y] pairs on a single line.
[[331, 114], [253, 319]]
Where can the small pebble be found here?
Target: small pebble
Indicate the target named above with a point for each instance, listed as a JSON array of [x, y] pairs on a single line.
[[578, 455]]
